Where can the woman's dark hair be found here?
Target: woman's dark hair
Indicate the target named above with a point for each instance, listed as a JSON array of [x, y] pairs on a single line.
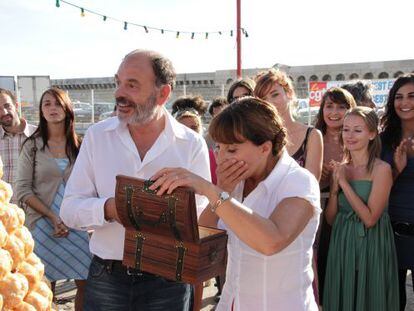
[[338, 96], [247, 83], [390, 122], [249, 118], [190, 102], [217, 102], [361, 91], [72, 139]]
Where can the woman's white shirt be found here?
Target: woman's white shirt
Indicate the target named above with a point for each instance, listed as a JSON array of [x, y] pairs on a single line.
[[282, 281]]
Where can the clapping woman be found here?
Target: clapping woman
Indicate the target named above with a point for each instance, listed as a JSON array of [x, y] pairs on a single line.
[[398, 150], [334, 105], [361, 272], [45, 163]]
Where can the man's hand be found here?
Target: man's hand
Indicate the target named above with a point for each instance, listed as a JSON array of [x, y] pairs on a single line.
[[110, 210]]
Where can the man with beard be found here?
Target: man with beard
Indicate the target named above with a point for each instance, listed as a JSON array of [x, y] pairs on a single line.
[[13, 132], [142, 139]]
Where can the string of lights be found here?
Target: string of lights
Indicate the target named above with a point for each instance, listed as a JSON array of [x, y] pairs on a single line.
[[147, 29]]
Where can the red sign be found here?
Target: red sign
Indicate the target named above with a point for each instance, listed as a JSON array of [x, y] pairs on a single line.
[[316, 91]]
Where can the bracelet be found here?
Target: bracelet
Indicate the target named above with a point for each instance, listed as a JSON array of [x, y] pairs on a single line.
[[223, 197], [215, 205]]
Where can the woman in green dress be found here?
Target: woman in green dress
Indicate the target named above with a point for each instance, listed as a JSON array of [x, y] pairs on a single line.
[[362, 271]]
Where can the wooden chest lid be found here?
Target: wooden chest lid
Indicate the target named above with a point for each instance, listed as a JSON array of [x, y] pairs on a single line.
[[141, 209]]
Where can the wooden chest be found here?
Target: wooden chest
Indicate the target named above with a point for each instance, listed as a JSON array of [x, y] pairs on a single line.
[[162, 236]]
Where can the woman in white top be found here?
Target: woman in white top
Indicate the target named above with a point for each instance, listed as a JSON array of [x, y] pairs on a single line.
[[271, 216]]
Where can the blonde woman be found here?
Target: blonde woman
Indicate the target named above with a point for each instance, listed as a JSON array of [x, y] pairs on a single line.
[[362, 270]]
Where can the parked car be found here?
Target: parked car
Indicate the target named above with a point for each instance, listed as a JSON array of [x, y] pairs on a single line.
[[101, 107], [83, 112], [106, 115]]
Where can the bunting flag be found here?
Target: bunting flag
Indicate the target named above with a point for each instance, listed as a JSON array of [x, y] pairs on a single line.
[[178, 33]]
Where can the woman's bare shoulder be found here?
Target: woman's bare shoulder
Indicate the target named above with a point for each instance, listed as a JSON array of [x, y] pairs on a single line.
[[381, 168]]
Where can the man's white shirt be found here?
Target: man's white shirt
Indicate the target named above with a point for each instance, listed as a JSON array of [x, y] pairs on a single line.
[[107, 151]]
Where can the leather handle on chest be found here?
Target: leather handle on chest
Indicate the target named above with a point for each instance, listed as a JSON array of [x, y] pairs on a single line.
[[179, 266], [139, 249]]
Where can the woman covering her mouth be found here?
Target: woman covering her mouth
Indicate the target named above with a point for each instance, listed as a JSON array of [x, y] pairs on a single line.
[[271, 211]]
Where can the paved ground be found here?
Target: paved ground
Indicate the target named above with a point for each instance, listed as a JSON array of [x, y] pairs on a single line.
[[67, 290]]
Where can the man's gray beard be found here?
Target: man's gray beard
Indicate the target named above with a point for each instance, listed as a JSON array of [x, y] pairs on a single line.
[[143, 114]]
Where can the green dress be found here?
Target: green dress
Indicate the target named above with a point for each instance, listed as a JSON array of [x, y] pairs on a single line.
[[361, 272]]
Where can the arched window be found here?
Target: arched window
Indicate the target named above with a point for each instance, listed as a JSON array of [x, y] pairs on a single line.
[[383, 75], [229, 81], [368, 76], [301, 79], [301, 87], [353, 76], [340, 77], [326, 78], [313, 78], [398, 73]]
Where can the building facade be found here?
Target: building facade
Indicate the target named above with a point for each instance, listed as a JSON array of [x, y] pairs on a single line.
[[212, 84]]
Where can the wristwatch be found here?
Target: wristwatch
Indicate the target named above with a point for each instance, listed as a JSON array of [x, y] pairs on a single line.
[[223, 196]]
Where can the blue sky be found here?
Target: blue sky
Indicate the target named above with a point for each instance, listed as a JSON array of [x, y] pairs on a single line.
[[39, 39]]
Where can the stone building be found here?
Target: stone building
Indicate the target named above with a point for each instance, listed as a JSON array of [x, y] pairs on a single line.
[[217, 83], [301, 75]]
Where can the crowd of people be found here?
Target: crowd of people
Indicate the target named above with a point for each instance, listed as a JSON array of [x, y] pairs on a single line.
[[317, 216]]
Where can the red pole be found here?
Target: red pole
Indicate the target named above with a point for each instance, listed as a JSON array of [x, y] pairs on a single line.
[[239, 70]]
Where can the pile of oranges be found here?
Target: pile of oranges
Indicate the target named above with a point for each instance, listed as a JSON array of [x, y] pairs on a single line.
[[22, 286]]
